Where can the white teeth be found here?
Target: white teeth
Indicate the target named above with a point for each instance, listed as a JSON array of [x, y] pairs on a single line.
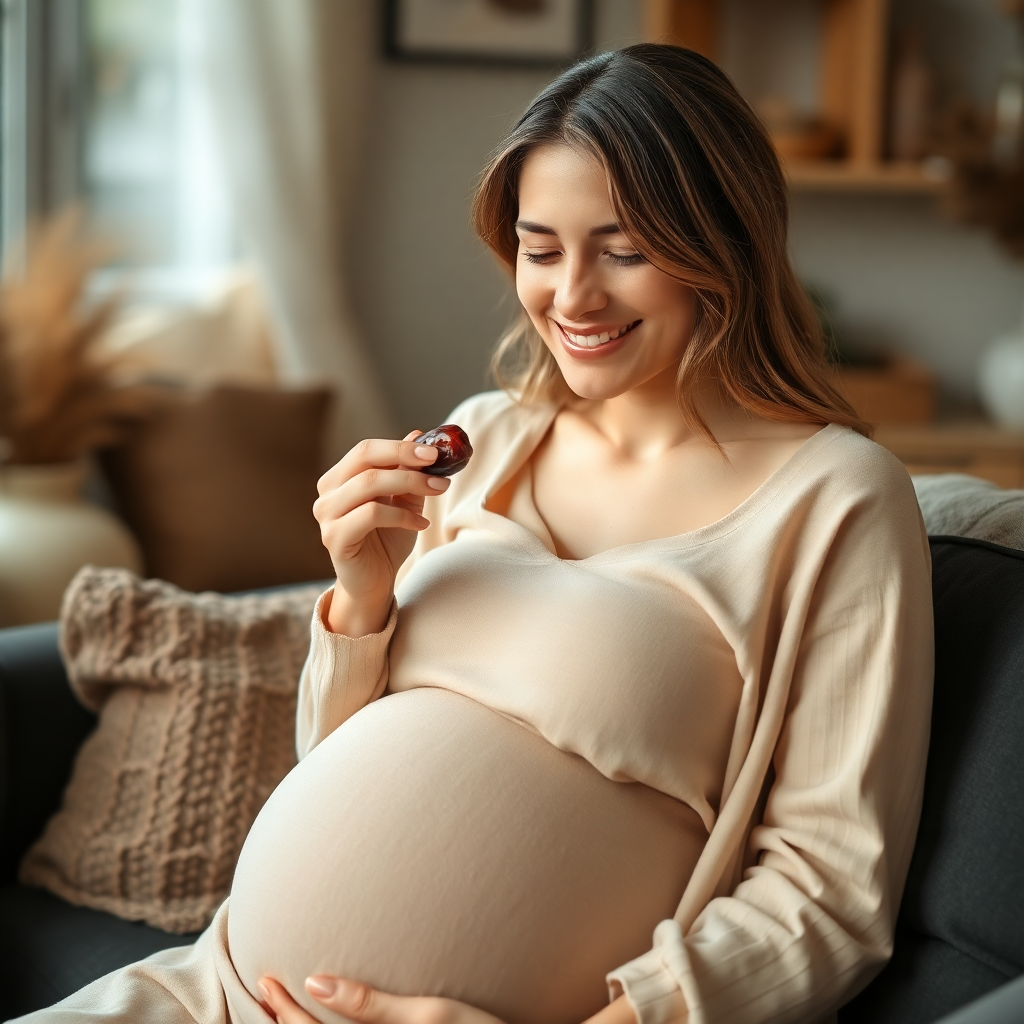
[[593, 340]]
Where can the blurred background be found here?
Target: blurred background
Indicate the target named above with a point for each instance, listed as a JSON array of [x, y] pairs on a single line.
[[235, 237]]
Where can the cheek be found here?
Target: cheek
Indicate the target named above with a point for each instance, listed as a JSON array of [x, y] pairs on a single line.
[[686, 314], [531, 290], [676, 305]]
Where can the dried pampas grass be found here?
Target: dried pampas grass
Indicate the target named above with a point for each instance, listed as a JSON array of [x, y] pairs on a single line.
[[58, 399]]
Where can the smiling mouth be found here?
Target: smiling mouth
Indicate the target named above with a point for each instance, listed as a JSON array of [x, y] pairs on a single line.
[[596, 340]]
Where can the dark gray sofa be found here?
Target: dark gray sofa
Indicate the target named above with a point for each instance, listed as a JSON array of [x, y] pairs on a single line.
[[961, 926]]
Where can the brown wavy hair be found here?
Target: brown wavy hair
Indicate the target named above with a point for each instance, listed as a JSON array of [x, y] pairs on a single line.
[[698, 188]]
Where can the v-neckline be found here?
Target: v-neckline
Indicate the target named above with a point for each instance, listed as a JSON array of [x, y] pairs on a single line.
[[526, 445]]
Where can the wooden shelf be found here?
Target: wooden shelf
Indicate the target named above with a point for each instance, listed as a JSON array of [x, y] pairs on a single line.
[[850, 176], [853, 44]]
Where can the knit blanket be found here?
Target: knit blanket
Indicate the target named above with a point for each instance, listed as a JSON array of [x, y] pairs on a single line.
[[956, 505]]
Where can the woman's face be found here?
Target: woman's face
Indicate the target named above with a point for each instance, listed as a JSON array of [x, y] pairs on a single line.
[[612, 320]]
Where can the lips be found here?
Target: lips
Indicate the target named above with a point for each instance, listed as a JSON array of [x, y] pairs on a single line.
[[592, 343], [590, 340]]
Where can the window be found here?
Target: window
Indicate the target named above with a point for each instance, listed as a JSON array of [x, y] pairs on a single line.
[[40, 63], [105, 101]]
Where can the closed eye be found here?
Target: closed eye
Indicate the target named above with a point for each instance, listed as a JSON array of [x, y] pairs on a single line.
[[540, 257], [626, 261], [620, 259]]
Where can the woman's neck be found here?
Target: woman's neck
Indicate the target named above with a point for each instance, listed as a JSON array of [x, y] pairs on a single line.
[[645, 423]]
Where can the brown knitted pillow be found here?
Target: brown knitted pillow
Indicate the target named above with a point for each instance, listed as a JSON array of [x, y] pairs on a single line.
[[196, 700]]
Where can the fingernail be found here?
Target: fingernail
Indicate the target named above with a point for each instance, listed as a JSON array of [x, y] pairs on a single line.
[[318, 985], [426, 452], [439, 483], [264, 991]]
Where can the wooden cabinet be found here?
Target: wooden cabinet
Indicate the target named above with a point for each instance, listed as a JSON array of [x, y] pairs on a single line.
[[900, 397], [977, 449], [852, 59], [900, 392]]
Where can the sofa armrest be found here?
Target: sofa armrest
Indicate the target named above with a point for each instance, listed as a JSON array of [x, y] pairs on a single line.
[[42, 726], [1004, 1006]]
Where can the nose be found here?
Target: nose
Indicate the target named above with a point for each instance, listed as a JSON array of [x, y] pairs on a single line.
[[579, 290]]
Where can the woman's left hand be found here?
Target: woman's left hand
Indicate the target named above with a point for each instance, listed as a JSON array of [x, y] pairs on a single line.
[[361, 1003]]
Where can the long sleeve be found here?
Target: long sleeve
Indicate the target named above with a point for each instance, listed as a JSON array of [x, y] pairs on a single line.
[[340, 676], [812, 918]]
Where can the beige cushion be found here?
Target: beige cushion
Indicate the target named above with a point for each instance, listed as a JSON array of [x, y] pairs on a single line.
[[219, 486], [196, 699]]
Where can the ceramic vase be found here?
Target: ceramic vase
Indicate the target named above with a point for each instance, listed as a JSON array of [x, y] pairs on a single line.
[[47, 533], [1001, 378]]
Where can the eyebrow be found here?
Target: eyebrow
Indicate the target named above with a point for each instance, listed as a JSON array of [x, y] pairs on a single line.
[[542, 229]]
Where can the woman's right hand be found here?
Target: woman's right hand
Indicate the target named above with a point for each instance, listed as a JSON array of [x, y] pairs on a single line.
[[369, 511]]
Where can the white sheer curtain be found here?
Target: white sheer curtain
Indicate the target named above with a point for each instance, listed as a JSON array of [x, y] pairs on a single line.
[[289, 81]]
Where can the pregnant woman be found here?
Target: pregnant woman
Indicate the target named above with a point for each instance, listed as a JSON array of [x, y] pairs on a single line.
[[627, 721]]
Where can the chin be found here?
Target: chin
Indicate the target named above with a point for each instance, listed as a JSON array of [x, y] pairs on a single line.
[[592, 383], [597, 385], [593, 391]]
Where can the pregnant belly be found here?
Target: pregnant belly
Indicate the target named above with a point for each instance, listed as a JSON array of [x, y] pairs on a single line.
[[430, 846]]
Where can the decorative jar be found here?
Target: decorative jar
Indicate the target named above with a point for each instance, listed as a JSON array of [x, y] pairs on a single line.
[[1001, 378], [47, 533]]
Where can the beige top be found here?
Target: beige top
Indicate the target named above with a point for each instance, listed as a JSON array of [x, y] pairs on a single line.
[[772, 671]]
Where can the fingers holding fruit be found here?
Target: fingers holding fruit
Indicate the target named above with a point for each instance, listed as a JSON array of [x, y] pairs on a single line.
[[375, 453], [343, 537], [369, 511], [378, 485], [378, 470]]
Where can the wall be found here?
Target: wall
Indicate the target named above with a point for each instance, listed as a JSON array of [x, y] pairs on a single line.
[[433, 303], [907, 281]]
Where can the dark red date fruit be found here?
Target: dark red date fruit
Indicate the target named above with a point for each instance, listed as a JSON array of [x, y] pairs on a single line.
[[453, 449]]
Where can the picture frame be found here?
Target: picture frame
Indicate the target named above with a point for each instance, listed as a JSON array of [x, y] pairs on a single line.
[[511, 33]]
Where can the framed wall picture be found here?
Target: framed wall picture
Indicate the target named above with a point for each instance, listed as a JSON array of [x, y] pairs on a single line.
[[523, 32]]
